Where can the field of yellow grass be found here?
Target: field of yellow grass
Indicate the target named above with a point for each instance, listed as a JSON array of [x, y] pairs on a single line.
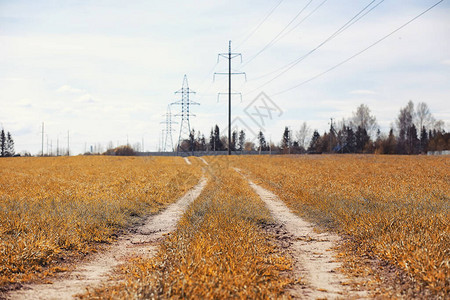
[[393, 208], [390, 209], [52, 209], [218, 251]]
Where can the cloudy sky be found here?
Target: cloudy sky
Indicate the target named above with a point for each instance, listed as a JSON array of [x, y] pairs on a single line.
[[106, 70]]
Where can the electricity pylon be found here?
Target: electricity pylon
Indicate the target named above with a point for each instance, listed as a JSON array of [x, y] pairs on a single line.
[[229, 56], [185, 102], [167, 132]]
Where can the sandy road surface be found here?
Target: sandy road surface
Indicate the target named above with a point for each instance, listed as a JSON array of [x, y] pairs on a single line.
[[142, 241], [313, 253]]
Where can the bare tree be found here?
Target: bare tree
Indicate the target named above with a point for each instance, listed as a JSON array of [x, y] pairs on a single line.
[[405, 118], [303, 135], [438, 125], [423, 116], [405, 128], [363, 119]]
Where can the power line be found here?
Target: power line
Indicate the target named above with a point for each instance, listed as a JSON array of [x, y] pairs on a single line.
[[259, 25], [360, 52], [344, 27], [302, 20], [281, 32]]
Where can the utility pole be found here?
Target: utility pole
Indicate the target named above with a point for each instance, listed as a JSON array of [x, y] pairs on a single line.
[[68, 143], [42, 139], [229, 56]]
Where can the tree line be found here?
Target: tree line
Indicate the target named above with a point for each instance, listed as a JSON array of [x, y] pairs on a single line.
[[415, 131], [6, 144]]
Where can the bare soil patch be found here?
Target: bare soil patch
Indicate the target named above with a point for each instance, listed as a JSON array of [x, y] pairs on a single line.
[[140, 241]]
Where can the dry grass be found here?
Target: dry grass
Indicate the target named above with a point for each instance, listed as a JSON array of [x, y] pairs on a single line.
[[394, 208], [217, 252], [55, 208]]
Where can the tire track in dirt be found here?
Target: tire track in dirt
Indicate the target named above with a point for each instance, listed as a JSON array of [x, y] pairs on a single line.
[[187, 160], [203, 160], [141, 241], [314, 258]]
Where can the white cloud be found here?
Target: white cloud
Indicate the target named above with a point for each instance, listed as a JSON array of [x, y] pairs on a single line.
[[446, 62], [68, 89]]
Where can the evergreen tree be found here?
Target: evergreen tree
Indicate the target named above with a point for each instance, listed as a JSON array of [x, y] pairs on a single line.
[[2, 143], [262, 141], [217, 140], [233, 140], [412, 142], [332, 139], [212, 145], [362, 139], [350, 141], [9, 149], [315, 142], [423, 140], [286, 141], [241, 140], [404, 123], [192, 140], [390, 144]]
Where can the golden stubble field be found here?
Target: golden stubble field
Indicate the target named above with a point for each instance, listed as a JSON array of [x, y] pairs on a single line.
[[52, 209], [393, 210]]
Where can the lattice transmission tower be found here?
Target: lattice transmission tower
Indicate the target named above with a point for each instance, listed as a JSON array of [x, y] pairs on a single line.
[[167, 131], [185, 102]]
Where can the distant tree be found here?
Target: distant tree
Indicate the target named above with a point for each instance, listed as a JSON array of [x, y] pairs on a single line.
[[192, 140], [124, 150], [412, 142], [262, 141], [439, 141], [212, 144], [378, 146], [241, 140], [423, 116], [215, 142], [332, 140], [350, 140], [315, 142], [201, 142], [2, 143], [390, 144], [423, 140], [303, 135], [404, 123], [362, 118], [249, 146], [234, 137], [286, 140], [362, 139], [439, 125]]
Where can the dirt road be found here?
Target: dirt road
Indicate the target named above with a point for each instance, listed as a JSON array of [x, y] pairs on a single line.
[[315, 262], [142, 241]]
